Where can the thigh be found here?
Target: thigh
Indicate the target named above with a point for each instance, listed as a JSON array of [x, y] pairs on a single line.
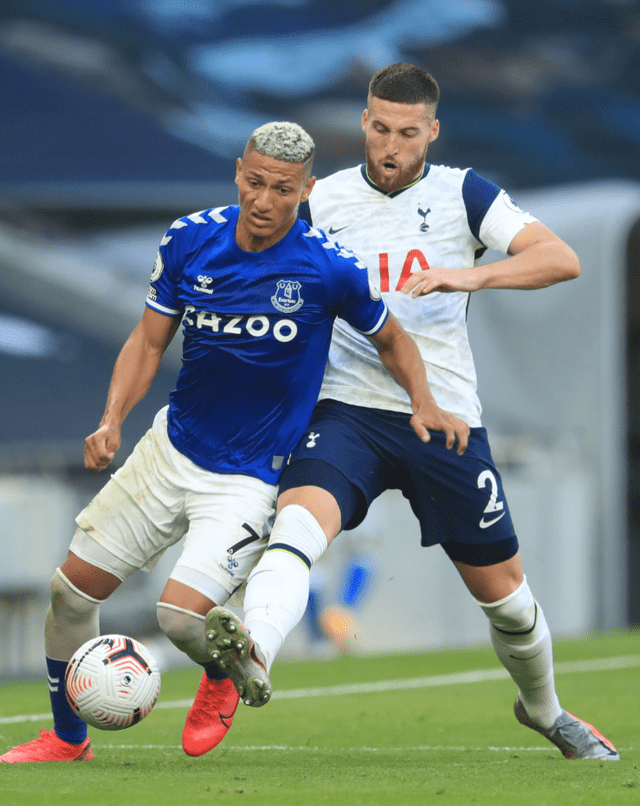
[[228, 533], [137, 515], [456, 498], [88, 578], [343, 454]]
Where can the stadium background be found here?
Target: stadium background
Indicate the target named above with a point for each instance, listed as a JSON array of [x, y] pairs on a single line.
[[118, 117]]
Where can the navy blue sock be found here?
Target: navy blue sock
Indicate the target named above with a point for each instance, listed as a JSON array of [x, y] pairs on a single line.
[[214, 672], [68, 726]]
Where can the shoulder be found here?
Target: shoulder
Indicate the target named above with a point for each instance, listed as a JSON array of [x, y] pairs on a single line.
[[337, 183], [327, 254], [464, 180], [336, 192], [200, 225], [340, 177]]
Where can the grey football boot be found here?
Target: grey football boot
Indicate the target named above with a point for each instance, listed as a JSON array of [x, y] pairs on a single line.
[[573, 737], [231, 646]]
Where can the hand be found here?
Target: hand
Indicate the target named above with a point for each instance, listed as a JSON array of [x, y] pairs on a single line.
[[100, 447], [424, 282], [433, 418]]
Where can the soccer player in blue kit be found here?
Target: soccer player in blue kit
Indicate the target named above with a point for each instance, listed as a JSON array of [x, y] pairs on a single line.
[[420, 229], [257, 291]]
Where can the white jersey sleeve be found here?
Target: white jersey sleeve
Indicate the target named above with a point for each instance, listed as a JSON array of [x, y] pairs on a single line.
[[502, 222]]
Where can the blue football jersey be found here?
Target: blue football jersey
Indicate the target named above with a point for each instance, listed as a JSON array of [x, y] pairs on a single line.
[[256, 330]]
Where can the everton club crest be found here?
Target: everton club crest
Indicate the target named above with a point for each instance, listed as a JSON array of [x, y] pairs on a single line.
[[287, 298]]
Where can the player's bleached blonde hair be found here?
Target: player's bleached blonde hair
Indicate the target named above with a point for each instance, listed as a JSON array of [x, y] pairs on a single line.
[[283, 141]]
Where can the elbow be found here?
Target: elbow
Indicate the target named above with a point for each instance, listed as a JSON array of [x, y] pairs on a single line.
[[569, 268], [573, 267]]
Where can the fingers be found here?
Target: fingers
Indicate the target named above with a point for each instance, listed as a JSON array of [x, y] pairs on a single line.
[[455, 430], [462, 432], [451, 436], [99, 451], [423, 433], [97, 462], [417, 284]]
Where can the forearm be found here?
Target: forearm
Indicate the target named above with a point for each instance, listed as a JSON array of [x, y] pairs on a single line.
[[132, 376], [404, 363], [538, 259], [400, 355], [539, 266]]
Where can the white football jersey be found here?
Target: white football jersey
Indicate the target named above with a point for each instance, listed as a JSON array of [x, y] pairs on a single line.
[[446, 220]]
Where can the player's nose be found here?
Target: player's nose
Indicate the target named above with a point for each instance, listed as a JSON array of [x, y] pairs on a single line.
[[392, 144], [263, 200]]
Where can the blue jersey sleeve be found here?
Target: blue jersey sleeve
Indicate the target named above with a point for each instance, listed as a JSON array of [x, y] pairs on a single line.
[[352, 296], [163, 293], [478, 194]]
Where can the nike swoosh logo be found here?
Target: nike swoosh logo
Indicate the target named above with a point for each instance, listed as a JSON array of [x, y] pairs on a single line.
[[333, 231], [484, 524], [515, 657]]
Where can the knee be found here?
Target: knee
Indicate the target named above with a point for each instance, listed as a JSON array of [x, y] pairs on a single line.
[[69, 602], [180, 626], [298, 528], [184, 629], [515, 613]]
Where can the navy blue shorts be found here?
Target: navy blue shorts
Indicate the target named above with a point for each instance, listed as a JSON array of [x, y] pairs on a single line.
[[357, 453]]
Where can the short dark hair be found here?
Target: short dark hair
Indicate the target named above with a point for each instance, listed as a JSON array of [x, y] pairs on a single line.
[[404, 84]]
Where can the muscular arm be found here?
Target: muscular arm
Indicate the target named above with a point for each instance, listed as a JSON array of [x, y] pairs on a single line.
[[538, 259], [400, 355], [134, 370]]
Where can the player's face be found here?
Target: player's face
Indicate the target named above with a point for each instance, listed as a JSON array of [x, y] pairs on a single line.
[[396, 140], [270, 192]]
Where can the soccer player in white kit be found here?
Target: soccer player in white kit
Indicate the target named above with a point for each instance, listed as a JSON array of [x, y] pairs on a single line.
[[257, 291], [420, 229]]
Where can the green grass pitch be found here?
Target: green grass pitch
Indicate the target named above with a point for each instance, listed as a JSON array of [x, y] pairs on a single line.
[[425, 728]]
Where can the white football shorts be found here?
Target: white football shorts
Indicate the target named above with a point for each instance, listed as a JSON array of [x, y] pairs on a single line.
[[159, 496]]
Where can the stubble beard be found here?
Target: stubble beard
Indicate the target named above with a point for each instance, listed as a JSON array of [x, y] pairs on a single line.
[[399, 178]]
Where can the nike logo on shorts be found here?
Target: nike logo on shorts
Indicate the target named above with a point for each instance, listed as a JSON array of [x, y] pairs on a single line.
[[485, 524]]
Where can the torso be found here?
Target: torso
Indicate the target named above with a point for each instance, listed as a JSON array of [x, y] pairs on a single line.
[[437, 222]]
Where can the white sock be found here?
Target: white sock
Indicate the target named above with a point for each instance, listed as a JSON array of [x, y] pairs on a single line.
[[522, 641], [185, 629], [278, 587], [72, 619]]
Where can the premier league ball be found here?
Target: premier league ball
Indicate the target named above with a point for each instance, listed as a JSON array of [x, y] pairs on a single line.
[[112, 682]]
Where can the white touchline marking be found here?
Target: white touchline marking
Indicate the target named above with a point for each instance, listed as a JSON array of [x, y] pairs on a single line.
[[455, 679], [290, 748]]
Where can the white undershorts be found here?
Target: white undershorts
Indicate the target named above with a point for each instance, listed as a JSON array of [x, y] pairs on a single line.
[[159, 496]]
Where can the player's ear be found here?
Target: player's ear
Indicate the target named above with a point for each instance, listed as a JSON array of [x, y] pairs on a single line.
[[238, 170], [365, 118], [308, 187], [435, 131]]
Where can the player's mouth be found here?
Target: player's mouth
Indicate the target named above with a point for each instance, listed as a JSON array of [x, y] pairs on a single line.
[[389, 166], [259, 220]]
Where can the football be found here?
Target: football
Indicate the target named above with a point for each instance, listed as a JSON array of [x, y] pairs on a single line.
[[112, 682]]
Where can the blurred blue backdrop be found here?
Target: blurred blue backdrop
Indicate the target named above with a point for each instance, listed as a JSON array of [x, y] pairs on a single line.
[[118, 116]]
